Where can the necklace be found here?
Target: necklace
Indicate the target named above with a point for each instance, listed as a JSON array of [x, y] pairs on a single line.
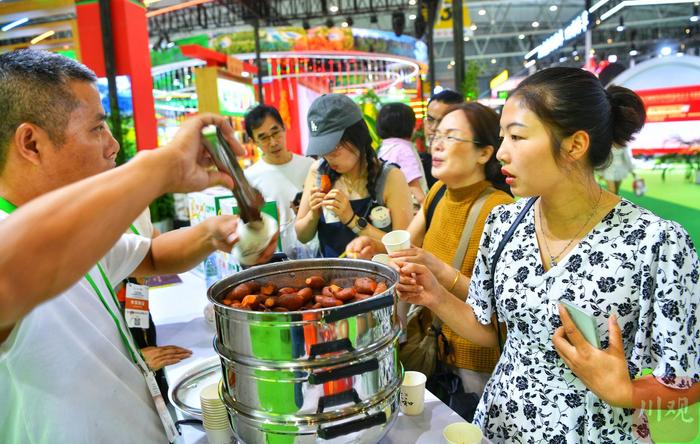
[[553, 260]]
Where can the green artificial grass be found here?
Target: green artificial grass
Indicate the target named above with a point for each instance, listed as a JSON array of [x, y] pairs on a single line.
[[675, 198]]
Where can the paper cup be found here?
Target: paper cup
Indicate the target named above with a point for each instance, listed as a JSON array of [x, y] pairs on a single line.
[[219, 436], [412, 393], [462, 433], [396, 240], [382, 259]]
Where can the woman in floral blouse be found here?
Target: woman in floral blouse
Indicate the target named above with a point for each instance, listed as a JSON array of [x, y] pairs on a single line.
[[635, 273]]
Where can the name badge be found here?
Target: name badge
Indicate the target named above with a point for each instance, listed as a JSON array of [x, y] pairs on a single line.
[[136, 306]]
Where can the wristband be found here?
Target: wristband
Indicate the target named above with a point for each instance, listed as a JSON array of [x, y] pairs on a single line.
[[350, 221]]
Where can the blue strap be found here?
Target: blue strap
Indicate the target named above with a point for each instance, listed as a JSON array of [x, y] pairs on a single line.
[[497, 255]]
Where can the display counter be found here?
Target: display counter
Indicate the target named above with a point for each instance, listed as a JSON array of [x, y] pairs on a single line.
[[178, 312]]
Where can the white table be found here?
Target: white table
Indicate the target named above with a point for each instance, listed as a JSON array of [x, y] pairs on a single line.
[[178, 312]]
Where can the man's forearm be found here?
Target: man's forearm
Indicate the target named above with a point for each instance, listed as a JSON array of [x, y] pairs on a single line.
[[177, 251], [79, 223]]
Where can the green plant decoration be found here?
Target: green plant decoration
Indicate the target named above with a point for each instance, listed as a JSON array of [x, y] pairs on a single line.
[[163, 208], [470, 86], [370, 103]]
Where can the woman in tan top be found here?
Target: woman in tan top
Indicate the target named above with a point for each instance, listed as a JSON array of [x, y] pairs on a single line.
[[464, 161]]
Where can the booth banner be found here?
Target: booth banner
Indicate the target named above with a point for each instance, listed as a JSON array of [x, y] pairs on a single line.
[[672, 104], [673, 119], [321, 38]]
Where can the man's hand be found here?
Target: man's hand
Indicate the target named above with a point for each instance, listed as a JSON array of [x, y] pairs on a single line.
[[159, 357], [187, 155], [222, 231]]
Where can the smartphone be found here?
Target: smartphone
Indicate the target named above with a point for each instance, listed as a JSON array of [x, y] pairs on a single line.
[[586, 323]]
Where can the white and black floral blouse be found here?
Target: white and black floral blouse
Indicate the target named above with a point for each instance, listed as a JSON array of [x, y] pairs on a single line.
[[633, 263]]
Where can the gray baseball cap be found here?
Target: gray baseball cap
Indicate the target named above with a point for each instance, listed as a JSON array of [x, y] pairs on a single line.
[[328, 117]]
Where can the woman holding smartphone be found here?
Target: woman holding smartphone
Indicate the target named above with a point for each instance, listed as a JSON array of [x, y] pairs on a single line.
[[634, 272]]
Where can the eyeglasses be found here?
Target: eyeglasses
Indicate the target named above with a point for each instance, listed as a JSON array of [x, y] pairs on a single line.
[[267, 139], [450, 139]]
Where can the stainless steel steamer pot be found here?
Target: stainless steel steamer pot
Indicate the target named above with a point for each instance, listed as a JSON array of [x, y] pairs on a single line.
[[329, 375], [324, 335]]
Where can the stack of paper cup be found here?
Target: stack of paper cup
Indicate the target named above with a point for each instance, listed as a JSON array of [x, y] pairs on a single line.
[[214, 416]]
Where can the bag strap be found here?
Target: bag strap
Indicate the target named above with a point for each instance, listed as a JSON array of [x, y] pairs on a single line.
[[497, 255], [461, 251], [433, 204], [474, 212]]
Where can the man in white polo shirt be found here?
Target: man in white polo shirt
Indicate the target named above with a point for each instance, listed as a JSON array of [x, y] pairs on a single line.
[[69, 371]]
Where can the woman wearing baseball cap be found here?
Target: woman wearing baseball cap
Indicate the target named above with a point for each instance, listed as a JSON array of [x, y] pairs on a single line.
[[348, 191]]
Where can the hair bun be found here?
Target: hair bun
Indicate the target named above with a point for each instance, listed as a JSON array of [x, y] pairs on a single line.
[[628, 113]]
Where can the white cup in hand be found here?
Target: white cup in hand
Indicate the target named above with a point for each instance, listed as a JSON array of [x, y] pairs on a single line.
[[412, 393], [397, 240]]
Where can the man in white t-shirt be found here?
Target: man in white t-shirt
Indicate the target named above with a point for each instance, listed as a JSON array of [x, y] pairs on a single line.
[[69, 371], [279, 174]]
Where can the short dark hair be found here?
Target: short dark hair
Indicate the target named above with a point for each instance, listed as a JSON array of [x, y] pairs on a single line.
[[396, 120], [447, 96], [568, 99], [34, 88], [255, 117]]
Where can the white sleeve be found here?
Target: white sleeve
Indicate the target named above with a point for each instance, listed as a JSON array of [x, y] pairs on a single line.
[[125, 256]]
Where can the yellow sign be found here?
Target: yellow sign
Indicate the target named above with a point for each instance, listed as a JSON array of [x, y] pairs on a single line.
[[443, 21], [499, 79]]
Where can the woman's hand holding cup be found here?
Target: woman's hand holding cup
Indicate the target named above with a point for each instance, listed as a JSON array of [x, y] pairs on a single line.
[[417, 285]]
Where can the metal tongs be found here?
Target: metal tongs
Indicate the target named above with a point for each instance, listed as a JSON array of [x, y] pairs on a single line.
[[248, 198]]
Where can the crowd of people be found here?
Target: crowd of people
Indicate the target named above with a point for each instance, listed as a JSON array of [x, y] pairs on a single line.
[[490, 272]]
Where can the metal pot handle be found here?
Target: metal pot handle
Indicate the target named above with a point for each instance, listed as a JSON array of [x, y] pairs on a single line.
[[371, 304], [344, 372], [338, 399], [352, 426], [323, 348]]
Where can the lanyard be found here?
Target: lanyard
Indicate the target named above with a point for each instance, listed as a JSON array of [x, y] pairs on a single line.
[[134, 355], [8, 207], [134, 230]]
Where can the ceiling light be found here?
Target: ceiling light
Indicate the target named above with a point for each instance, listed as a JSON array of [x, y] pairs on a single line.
[[612, 58], [482, 11], [333, 8], [633, 52], [621, 26], [15, 24], [412, 2], [521, 36], [535, 24], [344, 24], [553, 8], [694, 17], [473, 27], [412, 17], [41, 37], [452, 63], [563, 59], [493, 61], [609, 41], [666, 50], [577, 58], [530, 63], [466, 39]]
